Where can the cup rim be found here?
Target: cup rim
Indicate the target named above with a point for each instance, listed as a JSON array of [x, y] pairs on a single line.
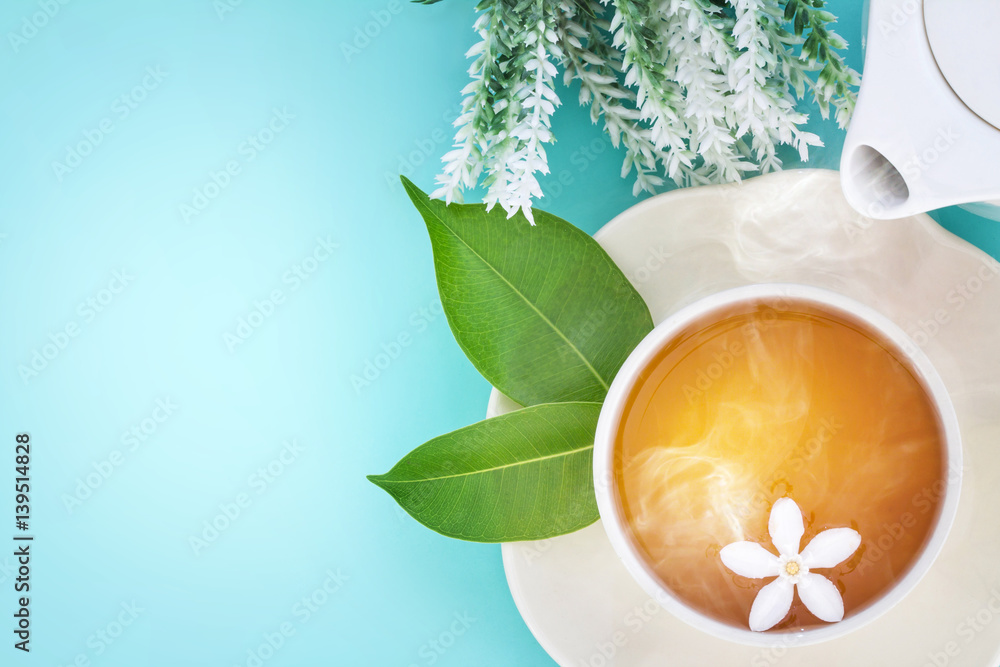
[[613, 408]]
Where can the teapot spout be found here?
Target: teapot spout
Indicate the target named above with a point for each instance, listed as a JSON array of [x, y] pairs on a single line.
[[913, 145], [872, 184]]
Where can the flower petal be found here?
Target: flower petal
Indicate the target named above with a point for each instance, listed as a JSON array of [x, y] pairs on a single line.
[[821, 597], [785, 527], [771, 605], [831, 547], [749, 559]]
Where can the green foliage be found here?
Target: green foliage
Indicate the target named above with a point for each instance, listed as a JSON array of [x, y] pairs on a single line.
[[526, 475], [697, 91], [548, 319], [542, 312]]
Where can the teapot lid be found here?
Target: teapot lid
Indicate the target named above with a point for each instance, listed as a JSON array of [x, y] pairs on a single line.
[[963, 38]]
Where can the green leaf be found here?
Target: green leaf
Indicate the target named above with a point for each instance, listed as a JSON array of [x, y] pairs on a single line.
[[541, 311], [800, 22], [526, 475], [790, 9]]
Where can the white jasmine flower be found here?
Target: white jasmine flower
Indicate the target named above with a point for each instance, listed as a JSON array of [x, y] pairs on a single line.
[[792, 568]]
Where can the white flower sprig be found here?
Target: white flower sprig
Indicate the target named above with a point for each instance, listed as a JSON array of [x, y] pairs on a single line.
[[792, 569], [660, 98], [766, 111], [515, 184], [596, 66], [697, 91], [695, 51], [464, 163]]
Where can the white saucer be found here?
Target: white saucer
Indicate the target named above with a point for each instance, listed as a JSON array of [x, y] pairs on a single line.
[[795, 226]]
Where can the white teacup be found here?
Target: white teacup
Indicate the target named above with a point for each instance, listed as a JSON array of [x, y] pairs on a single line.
[[609, 502]]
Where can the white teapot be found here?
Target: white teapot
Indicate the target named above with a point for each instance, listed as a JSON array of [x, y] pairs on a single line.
[[926, 130]]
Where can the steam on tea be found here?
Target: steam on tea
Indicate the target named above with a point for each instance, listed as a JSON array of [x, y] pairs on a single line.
[[769, 400]]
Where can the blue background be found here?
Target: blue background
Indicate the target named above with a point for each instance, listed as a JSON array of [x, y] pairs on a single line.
[[362, 116]]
